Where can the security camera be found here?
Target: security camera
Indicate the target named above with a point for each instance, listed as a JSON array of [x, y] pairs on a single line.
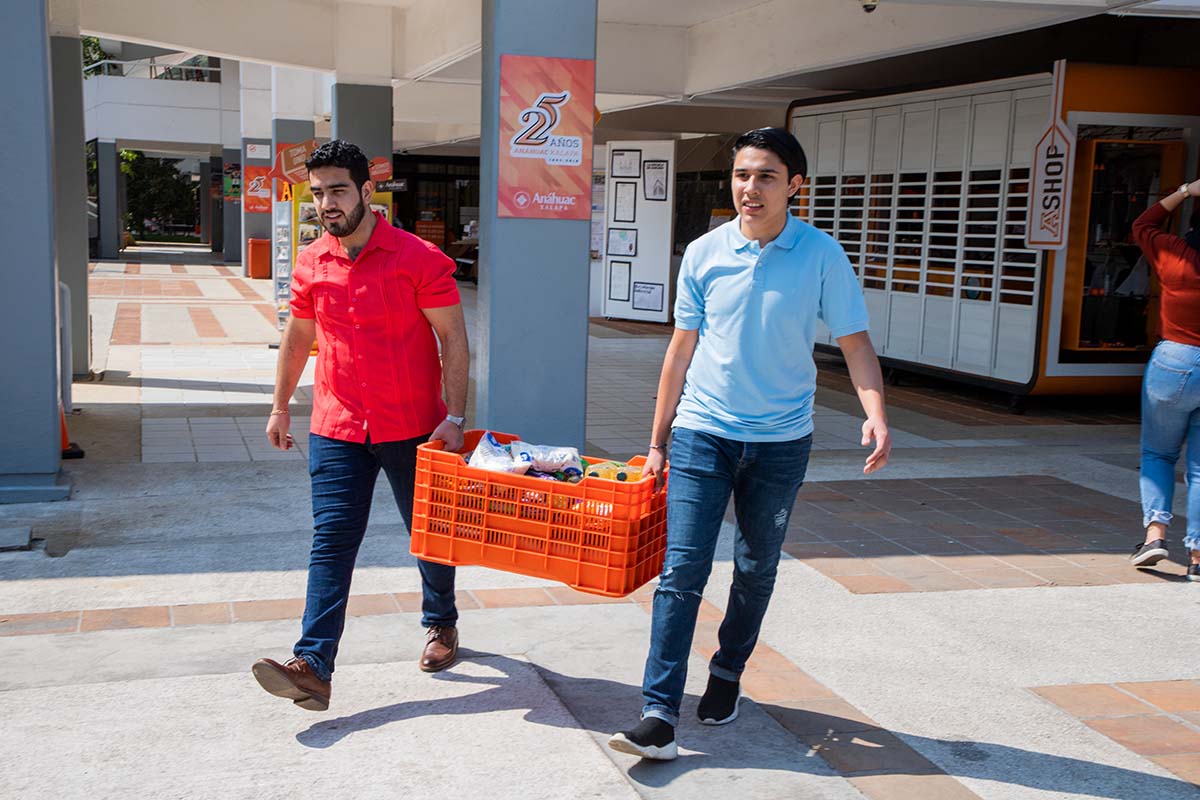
[[869, 5]]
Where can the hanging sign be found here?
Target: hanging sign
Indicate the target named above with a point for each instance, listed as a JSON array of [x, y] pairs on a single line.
[[289, 161], [392, 185], [1050, 196], [546, 120]]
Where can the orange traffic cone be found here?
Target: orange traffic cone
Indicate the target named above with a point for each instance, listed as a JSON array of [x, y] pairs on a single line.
[[69, 448]]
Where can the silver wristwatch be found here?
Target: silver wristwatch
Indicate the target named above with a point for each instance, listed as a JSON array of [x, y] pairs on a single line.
[[459, 421], [1184, 188]]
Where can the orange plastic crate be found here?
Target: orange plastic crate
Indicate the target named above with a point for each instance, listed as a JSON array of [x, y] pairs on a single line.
[[599, 536]]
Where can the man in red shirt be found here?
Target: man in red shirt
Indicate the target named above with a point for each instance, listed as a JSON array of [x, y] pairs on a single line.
[[373, 297], [1171, 388]]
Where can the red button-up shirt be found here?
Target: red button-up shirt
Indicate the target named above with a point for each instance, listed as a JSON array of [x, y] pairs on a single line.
[[378, 370], [1178, 268]]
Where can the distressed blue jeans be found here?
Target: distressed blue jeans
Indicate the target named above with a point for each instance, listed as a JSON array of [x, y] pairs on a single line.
[[1171, 415], [343, 483], [763, 478]]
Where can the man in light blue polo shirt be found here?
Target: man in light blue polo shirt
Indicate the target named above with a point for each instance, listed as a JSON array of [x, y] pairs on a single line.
[[736, 394]]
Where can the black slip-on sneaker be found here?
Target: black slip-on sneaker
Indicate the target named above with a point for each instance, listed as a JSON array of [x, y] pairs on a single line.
[[1149, 553], [1193, 573], [651, 738], [719, 706]]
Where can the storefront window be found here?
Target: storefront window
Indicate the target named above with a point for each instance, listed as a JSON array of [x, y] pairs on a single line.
[[440, 199], [1116, 289]]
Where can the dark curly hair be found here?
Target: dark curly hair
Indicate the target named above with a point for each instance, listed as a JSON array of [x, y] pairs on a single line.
[[340, 153], [781, 143]]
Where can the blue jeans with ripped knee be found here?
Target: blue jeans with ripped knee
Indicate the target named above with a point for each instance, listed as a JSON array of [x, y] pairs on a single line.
[[1171, 416], [763, 478]]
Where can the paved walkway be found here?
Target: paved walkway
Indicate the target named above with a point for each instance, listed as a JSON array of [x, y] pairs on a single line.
[[962, 625]]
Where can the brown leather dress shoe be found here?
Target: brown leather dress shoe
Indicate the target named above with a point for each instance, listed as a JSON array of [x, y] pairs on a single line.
[[441, 648], [293, 679]]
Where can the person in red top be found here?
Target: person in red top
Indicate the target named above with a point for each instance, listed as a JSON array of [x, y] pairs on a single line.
[[1171, 388], [374, 298]]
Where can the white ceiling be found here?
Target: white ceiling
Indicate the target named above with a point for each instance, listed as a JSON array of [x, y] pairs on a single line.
[[677, 13]]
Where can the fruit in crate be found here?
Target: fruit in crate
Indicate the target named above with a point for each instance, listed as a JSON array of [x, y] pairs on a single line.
[[614, 471]]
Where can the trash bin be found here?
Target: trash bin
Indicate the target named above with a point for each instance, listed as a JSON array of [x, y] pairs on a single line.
[[258, 254]]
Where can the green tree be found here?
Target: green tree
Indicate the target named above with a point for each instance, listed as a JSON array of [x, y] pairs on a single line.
[[92, 53], [158, 195]]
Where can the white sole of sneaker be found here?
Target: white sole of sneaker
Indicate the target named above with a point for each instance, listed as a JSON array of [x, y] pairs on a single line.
[[727, 720], [277, 684], [668, 752], [1194, 578], [1149, 558]]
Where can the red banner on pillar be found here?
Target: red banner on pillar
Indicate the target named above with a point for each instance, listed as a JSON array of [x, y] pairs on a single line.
[[256, 189], [546, 120]]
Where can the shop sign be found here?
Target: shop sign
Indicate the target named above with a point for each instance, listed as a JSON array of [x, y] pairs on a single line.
[[256, 189], [546, 121], [1048, 210], [1050, 192], [262, 151], [393, 185]]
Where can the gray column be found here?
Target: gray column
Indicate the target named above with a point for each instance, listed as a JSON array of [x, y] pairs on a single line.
[[530, 384], [363, 115], [29, 394], [254, 225], [286, 131], [70, 190], [216, 205], [108, 202], [232, 222], [290, 131], [205, 202]]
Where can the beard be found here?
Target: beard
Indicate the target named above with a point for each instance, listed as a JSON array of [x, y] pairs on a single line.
[[348, 223]]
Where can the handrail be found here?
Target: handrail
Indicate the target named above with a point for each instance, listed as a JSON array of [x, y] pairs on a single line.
[[158, 71]]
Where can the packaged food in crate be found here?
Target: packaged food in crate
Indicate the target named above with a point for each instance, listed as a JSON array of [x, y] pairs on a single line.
[[601, 536]]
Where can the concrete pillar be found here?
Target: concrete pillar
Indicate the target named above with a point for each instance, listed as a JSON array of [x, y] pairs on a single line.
[[216, 174], [292, 106], [108, 203], [524, 261], [232, 222], [254, 122], [254, 225], [205, 202], [70, 190], [29, 395], [363, 115], [231, 143]]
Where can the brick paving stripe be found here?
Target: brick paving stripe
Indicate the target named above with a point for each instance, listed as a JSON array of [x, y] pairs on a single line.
[[956, 534]]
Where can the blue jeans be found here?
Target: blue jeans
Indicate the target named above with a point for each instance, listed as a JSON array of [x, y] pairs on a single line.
[[763, 478], [1170, 415], [343, 482]]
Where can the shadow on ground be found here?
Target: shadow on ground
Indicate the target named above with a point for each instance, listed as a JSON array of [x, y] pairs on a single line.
[[603, 706]]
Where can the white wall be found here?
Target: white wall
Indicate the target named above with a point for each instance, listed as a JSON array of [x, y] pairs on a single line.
[[154, 110]]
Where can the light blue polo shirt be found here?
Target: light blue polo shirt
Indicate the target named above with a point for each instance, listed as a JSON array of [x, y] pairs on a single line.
[[752, 377]]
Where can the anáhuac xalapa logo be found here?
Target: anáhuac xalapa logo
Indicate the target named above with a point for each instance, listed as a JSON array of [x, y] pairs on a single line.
[[536, 138]]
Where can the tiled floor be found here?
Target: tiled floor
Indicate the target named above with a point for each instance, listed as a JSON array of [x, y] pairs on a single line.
[[881, 765], [1159, 720], [176, 439], [964, 405], [883, 536]]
